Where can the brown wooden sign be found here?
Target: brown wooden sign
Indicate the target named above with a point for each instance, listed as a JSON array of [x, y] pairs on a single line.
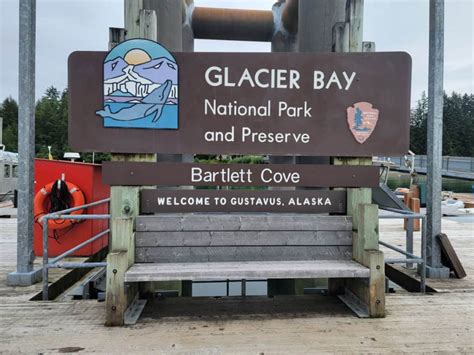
[[195, 174], [327, 104], [296, 201]]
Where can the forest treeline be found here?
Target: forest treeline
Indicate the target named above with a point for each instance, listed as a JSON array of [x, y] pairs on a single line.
[[52, 116]]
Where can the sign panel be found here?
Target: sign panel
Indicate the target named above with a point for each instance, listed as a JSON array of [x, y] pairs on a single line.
[[296, 201], [140, 98], [195, 174]]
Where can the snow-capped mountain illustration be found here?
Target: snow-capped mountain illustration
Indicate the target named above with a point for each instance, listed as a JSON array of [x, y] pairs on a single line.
[[139, 80]]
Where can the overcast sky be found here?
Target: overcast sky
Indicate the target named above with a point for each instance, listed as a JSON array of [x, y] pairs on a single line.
[[394, 25]]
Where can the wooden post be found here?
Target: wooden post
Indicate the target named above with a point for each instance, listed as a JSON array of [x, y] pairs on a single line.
[[124, 205], [415, 207], [348, 37], [355, 18], [132, 17], [147, 24], [120, 258], [315, 22], [174, 31], [188, 33], [282, 41]]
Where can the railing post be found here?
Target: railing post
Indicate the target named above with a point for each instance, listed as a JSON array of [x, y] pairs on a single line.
[[45, 259], [24, 274], [435, 268], [423, 256]]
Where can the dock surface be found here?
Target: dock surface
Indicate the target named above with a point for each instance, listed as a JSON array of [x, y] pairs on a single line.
[[441, 322]]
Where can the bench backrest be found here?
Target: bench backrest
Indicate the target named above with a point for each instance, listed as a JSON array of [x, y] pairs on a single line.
[[242, 237]]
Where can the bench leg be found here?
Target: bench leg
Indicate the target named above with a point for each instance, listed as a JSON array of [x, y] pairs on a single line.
[[370, 293], [118, 295]]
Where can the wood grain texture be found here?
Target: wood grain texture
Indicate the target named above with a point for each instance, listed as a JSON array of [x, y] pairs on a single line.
[[450, 256], [440, 323], [369, 226], [116, 296], [244, 238], [376, 284], [241, 253], [245, 270], [242, 222]]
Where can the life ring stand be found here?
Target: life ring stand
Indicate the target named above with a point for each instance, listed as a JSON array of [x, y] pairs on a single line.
[[41, 205]]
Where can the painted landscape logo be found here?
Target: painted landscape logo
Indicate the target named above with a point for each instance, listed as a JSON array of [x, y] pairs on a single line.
[[140, 86], [362, 119]]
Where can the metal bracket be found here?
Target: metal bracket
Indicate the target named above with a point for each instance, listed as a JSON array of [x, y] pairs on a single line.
[[134, 311], [355, 304]]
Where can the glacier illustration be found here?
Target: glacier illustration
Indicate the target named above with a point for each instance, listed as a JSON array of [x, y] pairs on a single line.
[[140, 86]]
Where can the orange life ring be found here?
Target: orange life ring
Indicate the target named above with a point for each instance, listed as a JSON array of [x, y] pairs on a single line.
[[41, 205]]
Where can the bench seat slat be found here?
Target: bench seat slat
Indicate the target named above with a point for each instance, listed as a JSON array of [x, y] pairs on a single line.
[[241, 253], [245, 238], [242, 222], [246, 270]]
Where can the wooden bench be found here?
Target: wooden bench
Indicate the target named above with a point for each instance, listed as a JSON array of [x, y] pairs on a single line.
[[213, 246], [243, 246]]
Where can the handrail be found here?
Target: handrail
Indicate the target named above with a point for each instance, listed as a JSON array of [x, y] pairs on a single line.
[[80, 246], [72, 209], [410, 257], [63, 214]]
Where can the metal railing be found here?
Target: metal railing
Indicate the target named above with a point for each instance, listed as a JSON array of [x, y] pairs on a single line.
[[54, 263], [457, 167], [409, 256]]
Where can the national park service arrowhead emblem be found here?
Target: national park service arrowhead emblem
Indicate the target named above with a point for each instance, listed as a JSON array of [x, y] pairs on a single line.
[[362, 119]]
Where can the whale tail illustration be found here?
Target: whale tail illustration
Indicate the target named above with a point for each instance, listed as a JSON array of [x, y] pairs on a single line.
[[105, 112], [156, 109]]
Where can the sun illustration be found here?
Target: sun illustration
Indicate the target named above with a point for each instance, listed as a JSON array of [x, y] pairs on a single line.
[[136, 56]]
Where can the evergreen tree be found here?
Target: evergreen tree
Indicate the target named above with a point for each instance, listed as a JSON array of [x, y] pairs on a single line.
[[418, 123], [9, 112], [51, 123]]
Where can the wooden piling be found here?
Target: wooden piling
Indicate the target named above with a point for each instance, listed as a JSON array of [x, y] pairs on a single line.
[[347, 36], [124, 200]]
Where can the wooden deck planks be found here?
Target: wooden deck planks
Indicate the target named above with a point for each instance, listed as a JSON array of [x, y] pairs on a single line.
[[415, 323]]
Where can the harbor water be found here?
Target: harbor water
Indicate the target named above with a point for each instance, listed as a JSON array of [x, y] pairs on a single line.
[[399, 179]]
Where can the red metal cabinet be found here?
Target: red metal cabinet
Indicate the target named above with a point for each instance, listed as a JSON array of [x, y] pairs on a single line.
[[88, 177]]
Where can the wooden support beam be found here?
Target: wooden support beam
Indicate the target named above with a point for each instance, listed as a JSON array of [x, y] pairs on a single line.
[[355, 17], [132, 17], [449, 256], [187, 28], [404, 280], [116, 35], [368, 228], [116, 296], [340, 37], [124, 205], [315, 23], [147, 24], [376, 284], [347, 37]]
